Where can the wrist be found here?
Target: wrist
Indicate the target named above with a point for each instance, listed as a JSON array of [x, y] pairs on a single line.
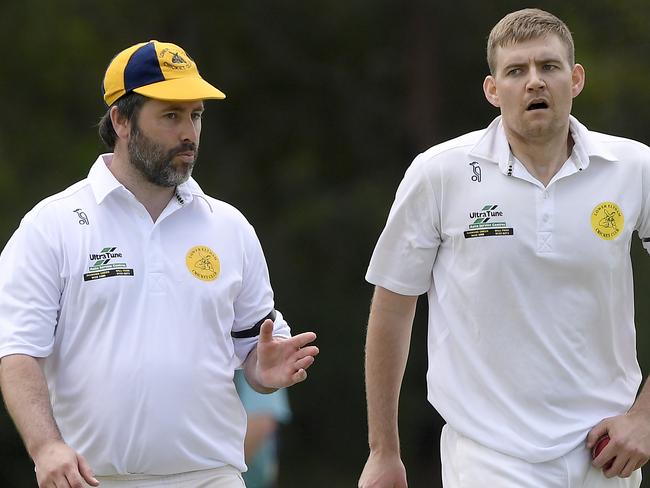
[[43, 447], [385, 448], [642, 411]]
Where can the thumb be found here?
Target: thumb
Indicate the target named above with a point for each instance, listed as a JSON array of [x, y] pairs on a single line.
[[266, 331], [86, 471], [596, 433]]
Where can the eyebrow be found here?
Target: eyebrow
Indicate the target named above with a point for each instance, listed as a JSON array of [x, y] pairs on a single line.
[[180, 108], [546, 60]]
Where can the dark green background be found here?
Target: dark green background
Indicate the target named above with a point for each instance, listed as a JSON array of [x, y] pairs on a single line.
[[328, 102]]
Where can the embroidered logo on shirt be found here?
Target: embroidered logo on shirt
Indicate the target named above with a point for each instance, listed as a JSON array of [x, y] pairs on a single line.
[[103, 265], [607, 220], [476, 169], [203, 263], [485, 225], [83, 218]]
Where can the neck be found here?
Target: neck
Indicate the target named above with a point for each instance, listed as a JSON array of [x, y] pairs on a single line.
[[543, 158], [154, 198]]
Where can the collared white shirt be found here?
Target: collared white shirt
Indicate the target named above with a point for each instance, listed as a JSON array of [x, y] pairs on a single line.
[[531, 306], [134, 320]]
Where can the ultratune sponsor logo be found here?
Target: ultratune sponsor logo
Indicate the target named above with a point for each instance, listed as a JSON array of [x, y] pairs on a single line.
[[103, 266], [483, 224], [103, 259], [483, 218], [106, 254]]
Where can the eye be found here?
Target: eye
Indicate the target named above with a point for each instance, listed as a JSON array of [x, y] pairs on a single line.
[[513, 71], [549, 67], [170, 115], [197, 115]]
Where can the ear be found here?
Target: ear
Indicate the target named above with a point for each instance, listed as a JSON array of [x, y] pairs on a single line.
[[577, 80], [121, 125], [490, 90]]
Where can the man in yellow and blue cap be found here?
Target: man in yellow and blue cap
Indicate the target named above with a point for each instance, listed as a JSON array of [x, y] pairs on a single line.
[[128, 300]]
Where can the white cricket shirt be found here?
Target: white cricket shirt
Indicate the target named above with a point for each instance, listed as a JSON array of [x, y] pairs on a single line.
[[134, 320], [531, 306]]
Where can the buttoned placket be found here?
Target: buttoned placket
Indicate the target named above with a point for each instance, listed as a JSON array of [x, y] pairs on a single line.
[[544, 200], [153, 256], [545, 203]]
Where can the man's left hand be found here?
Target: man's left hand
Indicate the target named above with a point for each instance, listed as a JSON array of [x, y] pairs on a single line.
[[281, 361], [629, 443]]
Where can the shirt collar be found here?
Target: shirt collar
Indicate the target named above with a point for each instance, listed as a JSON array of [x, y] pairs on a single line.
[[101, 179], [103, 183], [493, 145]]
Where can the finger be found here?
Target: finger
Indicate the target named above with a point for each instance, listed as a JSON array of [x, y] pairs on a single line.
[[304, 363], [596, 433], [73, 480], [299, 376], [266, 331], [640, 464], [303, 339], [617, 466], [86, 471], [305, 351], [604, 457], [628, 469]]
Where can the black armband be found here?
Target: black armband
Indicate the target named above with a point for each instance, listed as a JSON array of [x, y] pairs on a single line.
[[253, 331]]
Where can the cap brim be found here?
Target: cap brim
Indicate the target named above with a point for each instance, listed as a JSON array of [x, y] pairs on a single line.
[[181, 89]]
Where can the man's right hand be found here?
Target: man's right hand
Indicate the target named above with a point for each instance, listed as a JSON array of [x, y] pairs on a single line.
[[383, 472], [59, 466]]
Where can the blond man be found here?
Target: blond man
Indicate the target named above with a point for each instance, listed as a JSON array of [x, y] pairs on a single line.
[[520, 235]]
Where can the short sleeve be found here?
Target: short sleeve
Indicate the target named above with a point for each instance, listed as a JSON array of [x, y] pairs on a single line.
[[255, 299], [30, 292], [403, 257], [643, 226]]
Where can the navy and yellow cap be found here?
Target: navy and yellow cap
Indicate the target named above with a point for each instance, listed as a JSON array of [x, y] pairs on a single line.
[[158, 70]]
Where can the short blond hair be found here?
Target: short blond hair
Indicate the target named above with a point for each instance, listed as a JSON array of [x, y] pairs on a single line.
[[524, 25]]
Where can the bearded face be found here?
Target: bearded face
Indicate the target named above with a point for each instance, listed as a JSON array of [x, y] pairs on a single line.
[[166, 167]]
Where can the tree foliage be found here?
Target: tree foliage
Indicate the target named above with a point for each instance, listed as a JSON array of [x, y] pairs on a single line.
[[327, 104]]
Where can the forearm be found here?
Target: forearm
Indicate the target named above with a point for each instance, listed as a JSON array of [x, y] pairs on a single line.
[[27, 399], [252, 377], [387, 346]]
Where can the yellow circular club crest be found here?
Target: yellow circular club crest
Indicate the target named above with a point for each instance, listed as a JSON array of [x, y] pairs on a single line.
[[607, 220], [203, 263]]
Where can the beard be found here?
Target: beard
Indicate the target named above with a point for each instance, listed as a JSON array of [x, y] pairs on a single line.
[[154, 162]]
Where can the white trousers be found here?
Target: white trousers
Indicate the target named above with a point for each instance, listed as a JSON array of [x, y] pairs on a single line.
[[467, 464], [224, 477]]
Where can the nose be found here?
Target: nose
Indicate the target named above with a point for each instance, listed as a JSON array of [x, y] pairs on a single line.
[[190, 130], [535, 80]]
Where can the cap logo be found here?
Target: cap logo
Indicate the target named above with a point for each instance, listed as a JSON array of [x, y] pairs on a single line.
[[173, 60]]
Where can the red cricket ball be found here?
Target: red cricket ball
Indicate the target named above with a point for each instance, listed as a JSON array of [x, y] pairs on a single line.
[[600, 445]]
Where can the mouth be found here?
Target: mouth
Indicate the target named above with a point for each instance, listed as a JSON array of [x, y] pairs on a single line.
[[186, 156], [537, 105]]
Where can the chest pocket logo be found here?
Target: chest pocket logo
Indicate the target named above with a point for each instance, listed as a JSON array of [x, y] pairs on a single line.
[[607, 220], [203, 263]]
